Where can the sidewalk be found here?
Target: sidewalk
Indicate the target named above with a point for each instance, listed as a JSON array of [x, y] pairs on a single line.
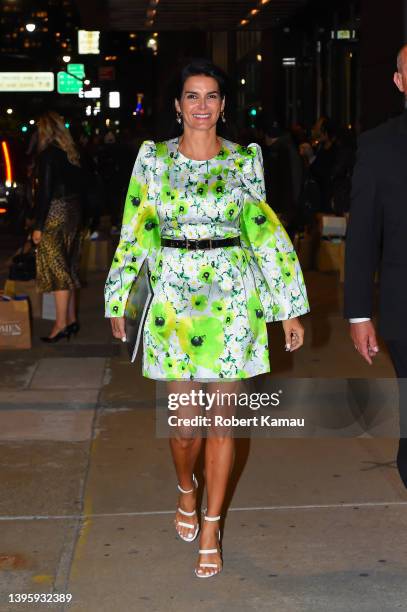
[[89, 491]]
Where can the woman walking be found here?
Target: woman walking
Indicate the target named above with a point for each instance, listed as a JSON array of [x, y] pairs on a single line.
[[221, 267], [58, 217]]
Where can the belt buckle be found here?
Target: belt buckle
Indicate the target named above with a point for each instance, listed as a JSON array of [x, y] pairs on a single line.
[[210, 244]]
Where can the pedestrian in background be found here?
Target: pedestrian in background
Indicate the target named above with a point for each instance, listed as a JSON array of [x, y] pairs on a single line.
[[58, 220], [376, 242], [323, 163], [283, 173]]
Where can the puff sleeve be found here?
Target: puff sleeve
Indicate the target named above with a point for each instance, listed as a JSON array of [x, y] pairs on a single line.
[[139, 235], [268, 248]]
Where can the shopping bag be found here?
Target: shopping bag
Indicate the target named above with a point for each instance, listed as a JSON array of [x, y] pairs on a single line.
[[136, 310], [15, 288], [15, 329], [48, 307]]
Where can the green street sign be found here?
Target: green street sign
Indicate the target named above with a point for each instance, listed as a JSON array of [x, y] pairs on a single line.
[[77, 70], [70, 82]]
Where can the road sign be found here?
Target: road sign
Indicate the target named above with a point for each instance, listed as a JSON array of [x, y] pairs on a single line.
[[94, 92], [77, 70], [26, 81], [71, 82]]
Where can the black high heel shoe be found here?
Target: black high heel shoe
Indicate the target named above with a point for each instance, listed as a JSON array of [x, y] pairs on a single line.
[[73, 328], [64, 333]]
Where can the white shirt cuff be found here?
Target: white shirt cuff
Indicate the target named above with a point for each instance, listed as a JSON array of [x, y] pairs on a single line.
[[359, 320]]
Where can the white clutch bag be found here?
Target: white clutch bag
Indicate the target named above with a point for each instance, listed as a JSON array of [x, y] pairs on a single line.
[[136, 309]]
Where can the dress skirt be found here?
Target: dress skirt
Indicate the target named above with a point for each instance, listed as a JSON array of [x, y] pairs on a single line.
[[58, 253], [205, 321]]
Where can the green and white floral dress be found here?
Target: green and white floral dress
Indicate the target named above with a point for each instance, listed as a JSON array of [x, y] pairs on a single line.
[[207, 319]]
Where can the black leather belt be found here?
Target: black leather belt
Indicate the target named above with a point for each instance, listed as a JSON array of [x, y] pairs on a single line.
[[194, 245]]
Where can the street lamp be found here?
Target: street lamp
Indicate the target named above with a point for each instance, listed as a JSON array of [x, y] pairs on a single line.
[[9, 111], [66, 58], [30, 27]]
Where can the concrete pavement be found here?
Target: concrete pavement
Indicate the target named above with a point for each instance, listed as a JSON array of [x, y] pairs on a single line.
[[89, 491]]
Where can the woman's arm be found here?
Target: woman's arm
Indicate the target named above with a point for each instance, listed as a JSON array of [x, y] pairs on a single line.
[[44, 190], [269, 249], [139, 233]]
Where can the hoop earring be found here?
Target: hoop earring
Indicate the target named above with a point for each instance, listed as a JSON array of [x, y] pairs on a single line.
[[222, 116], [179, 118]]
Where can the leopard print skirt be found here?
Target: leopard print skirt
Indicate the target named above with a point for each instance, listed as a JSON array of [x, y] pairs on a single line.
[[58, 254]]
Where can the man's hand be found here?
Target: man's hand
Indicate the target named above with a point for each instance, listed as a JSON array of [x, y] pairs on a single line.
[[118, 330], [294, 334], [364, 338], [36, 236]]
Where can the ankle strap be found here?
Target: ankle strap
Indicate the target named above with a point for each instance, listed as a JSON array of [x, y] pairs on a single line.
[[194, 480], [211, 518]]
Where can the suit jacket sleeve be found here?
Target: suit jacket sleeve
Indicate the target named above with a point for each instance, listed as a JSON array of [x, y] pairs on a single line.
[[268, 249], [139, 234], [363, 238]]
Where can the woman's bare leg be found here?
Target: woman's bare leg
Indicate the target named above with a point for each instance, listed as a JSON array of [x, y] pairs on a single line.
[[61, 306], [72, 307], [219, 458], [185, 444]]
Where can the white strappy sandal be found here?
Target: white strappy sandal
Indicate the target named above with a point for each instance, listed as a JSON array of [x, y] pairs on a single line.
[[210, 551], [191, 537]]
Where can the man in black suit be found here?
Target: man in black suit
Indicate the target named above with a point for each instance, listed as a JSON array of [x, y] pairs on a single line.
[[377, 236]]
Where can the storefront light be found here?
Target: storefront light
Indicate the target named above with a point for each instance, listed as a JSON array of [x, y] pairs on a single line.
[[114, 99]]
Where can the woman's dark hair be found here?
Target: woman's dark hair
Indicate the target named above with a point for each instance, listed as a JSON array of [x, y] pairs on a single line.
[[203, 66], [166, 125]]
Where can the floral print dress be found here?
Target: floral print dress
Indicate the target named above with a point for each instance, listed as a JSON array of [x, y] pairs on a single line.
[[207, 319]]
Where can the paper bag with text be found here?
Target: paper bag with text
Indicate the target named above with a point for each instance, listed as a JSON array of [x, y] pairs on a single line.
[[15, 329]]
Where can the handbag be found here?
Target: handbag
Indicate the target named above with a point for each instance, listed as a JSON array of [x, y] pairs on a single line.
[[23, 264], [136, 309]]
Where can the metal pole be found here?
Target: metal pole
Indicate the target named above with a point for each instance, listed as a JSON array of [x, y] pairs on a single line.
[[318, 78]]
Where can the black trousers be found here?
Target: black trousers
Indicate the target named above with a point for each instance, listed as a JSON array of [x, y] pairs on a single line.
[[398, 354]]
